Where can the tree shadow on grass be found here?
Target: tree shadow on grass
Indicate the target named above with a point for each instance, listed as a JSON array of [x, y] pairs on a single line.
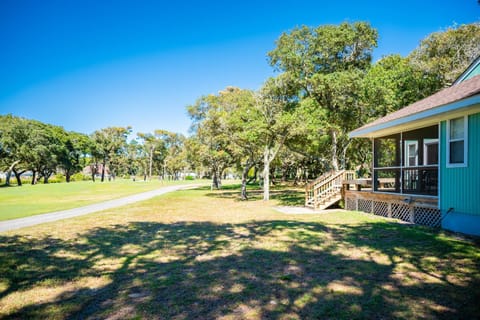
[[284, 195], [264, 269], [234, 186]]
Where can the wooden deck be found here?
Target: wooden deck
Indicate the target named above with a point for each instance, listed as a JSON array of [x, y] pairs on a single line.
[[367, 183]]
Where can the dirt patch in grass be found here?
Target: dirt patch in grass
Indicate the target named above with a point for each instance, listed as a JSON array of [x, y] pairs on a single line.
[[199, 254]]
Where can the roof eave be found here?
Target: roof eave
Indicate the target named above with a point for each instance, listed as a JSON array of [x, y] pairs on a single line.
[[419, 119], [467, 72]]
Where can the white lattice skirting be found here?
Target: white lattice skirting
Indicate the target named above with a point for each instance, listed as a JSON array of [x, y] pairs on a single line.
[[412, 213]]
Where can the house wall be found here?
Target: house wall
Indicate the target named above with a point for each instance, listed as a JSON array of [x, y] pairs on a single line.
[[460, 186]]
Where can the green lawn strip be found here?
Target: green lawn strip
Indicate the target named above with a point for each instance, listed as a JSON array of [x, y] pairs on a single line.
[[28, 200], [202, 254]]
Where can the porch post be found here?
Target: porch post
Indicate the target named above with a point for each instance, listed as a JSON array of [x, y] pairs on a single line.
[[373, 166], [401, 162]]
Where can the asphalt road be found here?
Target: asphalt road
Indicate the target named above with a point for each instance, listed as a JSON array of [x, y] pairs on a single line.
[[65, 214]]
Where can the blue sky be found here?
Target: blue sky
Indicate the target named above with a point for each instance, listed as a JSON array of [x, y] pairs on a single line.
[[87, 65]]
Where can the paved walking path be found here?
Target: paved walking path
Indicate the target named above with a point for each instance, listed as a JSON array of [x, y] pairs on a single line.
[[59, 215]]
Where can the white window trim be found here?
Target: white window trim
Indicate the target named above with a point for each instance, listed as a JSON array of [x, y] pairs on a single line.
[[465, 144], [425, 145], [407, 153]]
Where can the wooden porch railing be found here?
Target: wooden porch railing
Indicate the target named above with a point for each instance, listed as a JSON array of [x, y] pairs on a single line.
[[326, 190]]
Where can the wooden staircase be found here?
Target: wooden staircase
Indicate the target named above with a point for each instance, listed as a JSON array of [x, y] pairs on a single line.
[[326, 190]]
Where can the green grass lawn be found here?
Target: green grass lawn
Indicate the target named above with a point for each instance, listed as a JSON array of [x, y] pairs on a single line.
[[197, 254], [28, 200]]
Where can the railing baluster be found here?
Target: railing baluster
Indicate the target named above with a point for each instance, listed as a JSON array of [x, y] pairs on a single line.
[[323, 188]]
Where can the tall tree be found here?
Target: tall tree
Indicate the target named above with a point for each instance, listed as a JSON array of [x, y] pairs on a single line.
[[175, 158], [45, 144], [276, 106], [327, 64], [14, 132], [74, 148], [241, 125], [209, 125], [446, 54], [110, 142], [154, 148], [134, 152], [148, 140], [193, 158]]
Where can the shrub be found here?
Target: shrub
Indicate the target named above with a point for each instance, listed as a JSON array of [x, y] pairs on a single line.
[[79, 177], [58, 178], [25, 180]]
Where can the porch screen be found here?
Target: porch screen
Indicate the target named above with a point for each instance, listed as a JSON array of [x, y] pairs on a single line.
[[407, 162]]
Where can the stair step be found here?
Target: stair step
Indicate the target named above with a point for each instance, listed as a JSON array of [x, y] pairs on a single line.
[[326, 190]]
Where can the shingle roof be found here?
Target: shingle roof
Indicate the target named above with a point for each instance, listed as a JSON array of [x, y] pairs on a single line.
[[446, 96]]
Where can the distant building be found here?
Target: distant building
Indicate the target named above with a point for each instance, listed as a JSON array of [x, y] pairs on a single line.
[[97, 169]]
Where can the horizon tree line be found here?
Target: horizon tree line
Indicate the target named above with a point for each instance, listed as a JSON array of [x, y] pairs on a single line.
[[294, 127]]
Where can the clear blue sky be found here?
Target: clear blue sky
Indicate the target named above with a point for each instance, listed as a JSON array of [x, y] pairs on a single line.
[[89, 64]]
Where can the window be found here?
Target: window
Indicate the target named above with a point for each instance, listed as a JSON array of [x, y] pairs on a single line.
[[430, 152], [411, 153], [457, 132]]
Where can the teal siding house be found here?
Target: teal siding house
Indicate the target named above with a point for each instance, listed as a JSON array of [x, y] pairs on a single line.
[[426, 160]]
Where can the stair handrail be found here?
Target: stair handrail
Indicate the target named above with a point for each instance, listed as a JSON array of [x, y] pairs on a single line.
[[324, 176], [312, 190], [325, 184]]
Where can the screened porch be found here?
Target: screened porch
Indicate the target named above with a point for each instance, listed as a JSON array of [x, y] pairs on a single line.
[[407, 162]]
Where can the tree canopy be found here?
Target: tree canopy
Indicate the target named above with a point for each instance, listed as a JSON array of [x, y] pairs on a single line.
[[446, 54], [295, 126]]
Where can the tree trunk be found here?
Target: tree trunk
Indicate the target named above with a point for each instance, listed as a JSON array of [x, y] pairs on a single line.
[[7, 178], [245, 171], [266, 174], [46, 173], [344, 154], [67, 176], [18, 176], [273, 180], [93, 171], [219, 178], [9, 172], [334, 150], [285, 173], [215, 178], [34, 177], [298, 176], [103, 170], [19, 179], [150, 164]]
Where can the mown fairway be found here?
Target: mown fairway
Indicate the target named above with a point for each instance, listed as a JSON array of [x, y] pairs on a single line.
[[28, 200], [199, 254]]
